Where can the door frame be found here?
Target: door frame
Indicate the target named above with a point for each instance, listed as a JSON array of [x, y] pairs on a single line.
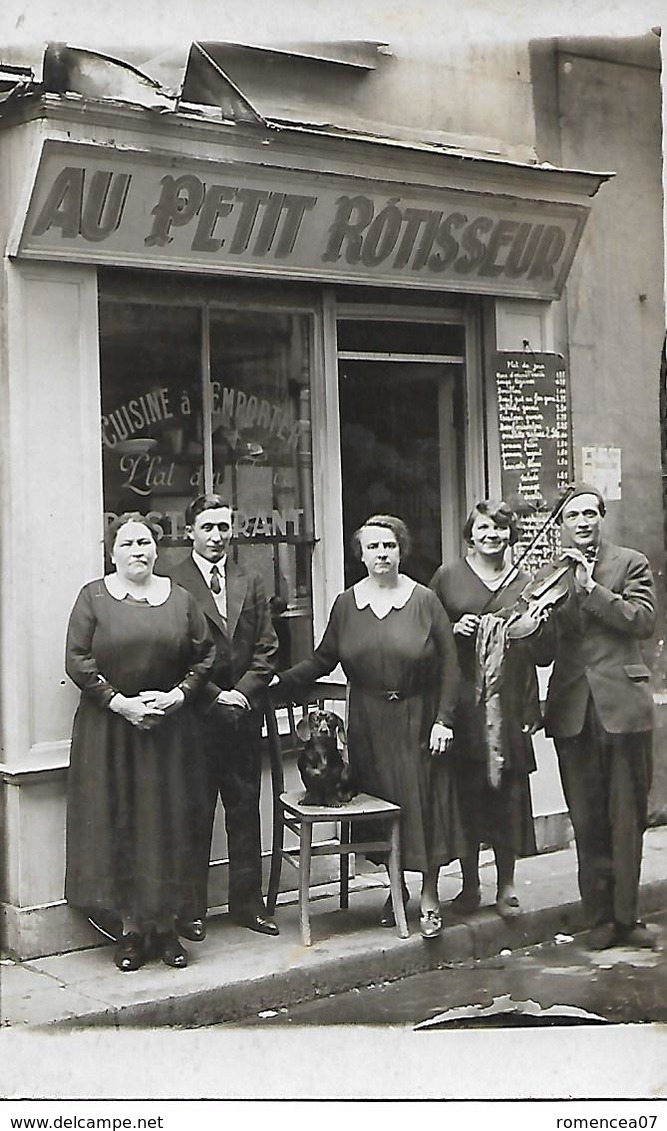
[[473, 441]]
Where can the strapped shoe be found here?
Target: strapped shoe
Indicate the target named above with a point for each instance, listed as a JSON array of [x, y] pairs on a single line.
[[430, 924], [194, 930]]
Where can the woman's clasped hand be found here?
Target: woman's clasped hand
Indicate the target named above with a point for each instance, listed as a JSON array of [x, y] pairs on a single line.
[[147, 708]]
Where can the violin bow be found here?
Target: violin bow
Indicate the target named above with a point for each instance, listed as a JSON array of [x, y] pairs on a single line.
[[550, 519]]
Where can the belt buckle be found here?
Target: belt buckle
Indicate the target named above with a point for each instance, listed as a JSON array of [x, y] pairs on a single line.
[[392, 696]]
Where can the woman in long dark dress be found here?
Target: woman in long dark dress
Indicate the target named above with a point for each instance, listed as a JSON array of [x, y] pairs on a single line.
[[139, 649], [498, 813], [395, 645]]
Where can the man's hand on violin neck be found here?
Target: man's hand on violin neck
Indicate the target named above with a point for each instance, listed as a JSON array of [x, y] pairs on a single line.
[[583, 568]]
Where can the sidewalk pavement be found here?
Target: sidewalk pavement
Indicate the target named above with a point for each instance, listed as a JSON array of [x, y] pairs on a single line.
[[236, 973]]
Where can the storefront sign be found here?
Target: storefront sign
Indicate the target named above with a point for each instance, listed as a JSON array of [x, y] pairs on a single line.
[[276, 525], [94, 204]]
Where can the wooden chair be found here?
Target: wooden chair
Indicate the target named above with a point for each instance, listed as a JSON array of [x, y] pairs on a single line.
[[289, 812]]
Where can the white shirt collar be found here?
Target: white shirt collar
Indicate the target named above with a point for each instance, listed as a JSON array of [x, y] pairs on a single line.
[[205, 566]]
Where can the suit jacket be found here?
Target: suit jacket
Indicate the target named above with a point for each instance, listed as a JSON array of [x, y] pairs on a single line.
[[593, 640], [246, 649]]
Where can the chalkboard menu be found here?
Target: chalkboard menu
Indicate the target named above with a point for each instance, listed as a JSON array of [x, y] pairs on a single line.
[[535, 442]]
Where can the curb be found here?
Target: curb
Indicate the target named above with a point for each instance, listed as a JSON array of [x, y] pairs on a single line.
[[481, 936]]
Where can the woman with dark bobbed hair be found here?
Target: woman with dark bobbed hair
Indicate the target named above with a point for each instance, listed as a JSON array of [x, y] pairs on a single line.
[[395, 644], [139, 649], [491, 776]]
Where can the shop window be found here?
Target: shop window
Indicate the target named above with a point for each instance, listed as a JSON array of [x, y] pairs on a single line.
[[152, 425], [203, 398], [262, 459]]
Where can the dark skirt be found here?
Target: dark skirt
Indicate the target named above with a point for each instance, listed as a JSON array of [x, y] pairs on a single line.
[[501, 817], [390, 758], [136, 801]]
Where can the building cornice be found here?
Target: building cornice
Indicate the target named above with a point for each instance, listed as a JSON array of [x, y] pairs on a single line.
[[324, 148]]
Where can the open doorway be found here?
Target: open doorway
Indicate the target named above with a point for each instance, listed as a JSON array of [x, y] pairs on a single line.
[[402, 428]]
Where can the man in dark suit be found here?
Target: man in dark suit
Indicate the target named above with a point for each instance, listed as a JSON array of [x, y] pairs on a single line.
[[599, 711], [237, 612]]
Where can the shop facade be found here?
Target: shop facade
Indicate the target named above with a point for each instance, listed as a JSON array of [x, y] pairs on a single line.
[[306, 323]]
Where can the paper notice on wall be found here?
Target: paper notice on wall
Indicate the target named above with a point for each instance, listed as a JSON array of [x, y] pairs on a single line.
[[601, 467]]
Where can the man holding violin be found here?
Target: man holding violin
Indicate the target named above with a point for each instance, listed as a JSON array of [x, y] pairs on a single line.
[[599, 711]]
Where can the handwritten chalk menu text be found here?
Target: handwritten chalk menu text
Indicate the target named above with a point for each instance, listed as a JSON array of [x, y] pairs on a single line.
[[535, 440]]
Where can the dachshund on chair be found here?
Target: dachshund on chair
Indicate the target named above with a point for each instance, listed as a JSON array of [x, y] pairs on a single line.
[[327, 778]]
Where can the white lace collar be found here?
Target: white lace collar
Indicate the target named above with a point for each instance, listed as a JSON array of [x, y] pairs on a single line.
[[382, 601], [156, 594]]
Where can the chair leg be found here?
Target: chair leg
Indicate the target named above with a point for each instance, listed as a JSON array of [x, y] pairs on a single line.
[[395, 879], [345, 867], [276, 862], [278, 813], [305, 844]]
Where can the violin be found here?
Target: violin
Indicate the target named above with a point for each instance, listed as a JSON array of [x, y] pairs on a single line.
[[536, 601], [550, 589]]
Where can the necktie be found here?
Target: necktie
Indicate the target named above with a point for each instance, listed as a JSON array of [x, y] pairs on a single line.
[[216, 587]]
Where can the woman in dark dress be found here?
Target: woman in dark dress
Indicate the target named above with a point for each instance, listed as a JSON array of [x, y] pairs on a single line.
[[395, 645], [139, 649], [495, 812]]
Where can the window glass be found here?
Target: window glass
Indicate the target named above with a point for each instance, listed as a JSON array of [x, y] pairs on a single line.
[[439, 338], [262, 459], [152, 428], [254, 423]]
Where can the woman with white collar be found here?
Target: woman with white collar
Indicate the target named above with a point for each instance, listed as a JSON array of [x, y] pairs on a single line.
[[395, 644], [139, 649]]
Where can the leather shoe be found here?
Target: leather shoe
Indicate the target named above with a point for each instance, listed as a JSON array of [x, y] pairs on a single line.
[[601, 936], [258, 923], [131, 952], [169, 948], [637, 934], [194, 930]]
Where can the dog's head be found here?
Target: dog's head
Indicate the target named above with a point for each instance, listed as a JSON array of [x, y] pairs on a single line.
[[322, 724]]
